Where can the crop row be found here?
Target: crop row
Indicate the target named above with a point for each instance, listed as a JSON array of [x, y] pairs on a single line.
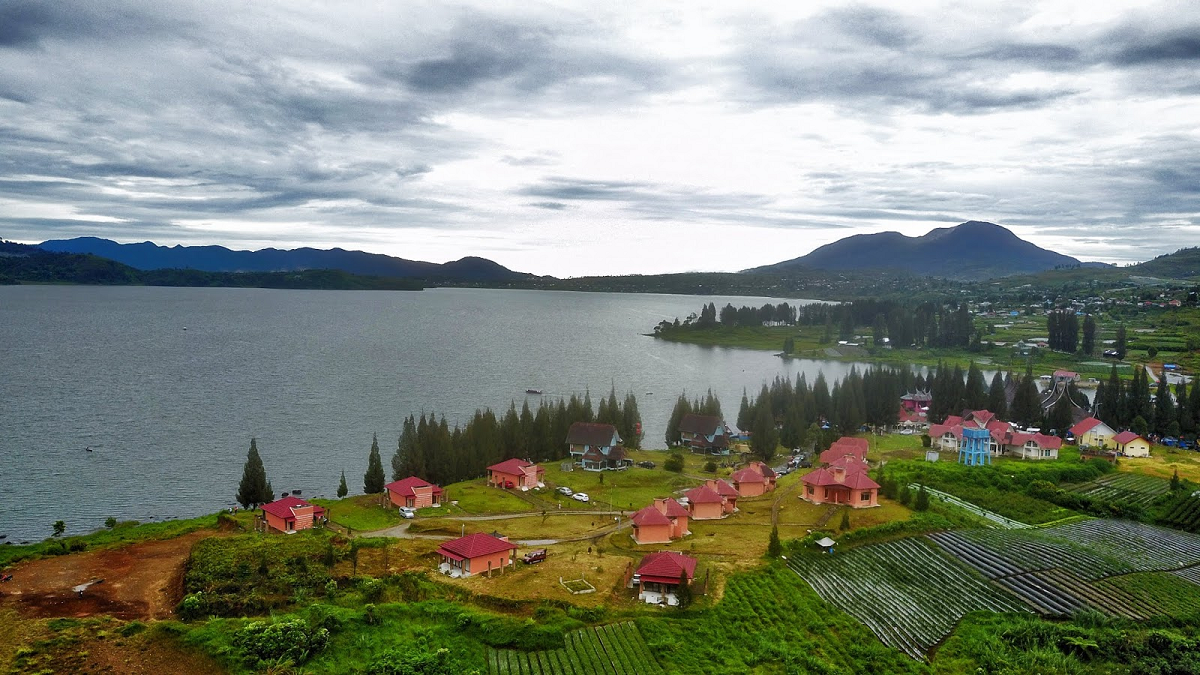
[[905, 591], [616, 649], [1185, 514], [1192, 574], [1143, 547], [1125, 487], [999, 553]]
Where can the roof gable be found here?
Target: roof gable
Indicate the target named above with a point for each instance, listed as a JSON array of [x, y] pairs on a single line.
[[513, 466], [282, 508], [705, 425], [1085, 426], [666, 565], [702, 495], [1126, 437], [404, 487], [650, 516], [593, 433], [476, 545]]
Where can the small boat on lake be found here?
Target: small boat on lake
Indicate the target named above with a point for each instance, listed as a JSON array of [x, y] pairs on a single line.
[[536, 392]]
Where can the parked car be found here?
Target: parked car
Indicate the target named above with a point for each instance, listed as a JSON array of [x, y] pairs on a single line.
[[534, 557], [1111, 353], [581, 496], [508, 485], [564, 490], [408, 512], [646, 464]]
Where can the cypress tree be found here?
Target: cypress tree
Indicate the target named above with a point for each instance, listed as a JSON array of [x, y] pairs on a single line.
[[922, 501], [975, 397], [744, 416], [774, 547], [684, 593], [845, 524], [682, 407], [1089, 335], [631, 423], [374, 478], [254, 488], [997, 402], [1122, 344], [1164, 408], [764, 438], [343, 490]]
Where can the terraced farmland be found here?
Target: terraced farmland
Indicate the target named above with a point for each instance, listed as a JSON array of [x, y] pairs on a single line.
[[907, 592], [615, 649], [1132, 488], [1185, 514], [1056, 570]]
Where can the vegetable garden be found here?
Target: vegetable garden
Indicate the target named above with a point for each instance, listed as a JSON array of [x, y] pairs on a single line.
[[1132, 488], [614, 649], [1185, 514], [906, 591]]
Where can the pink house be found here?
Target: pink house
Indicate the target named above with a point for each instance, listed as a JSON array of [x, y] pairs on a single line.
[[291, 514], [843, 482], [658, 576], [729, 494], [846, 445], [659, 523], [754, 480], [515, 473], [475, 554], [414, 493], [704, 503]]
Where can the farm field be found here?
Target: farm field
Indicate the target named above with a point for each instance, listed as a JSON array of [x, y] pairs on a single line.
[[613, 649], [1124, 487], [906, 591]]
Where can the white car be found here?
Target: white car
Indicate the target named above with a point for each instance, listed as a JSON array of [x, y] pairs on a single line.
[[408, 512], [581, 496], [564, 490]]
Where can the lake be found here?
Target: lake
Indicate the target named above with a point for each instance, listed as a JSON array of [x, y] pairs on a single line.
[[168, 385]]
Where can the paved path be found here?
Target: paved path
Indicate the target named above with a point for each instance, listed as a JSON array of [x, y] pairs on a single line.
[[401, 531]]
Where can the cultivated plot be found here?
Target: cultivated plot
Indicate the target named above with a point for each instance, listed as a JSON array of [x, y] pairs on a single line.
[[614, 649], [1132, 488], [907, 592]]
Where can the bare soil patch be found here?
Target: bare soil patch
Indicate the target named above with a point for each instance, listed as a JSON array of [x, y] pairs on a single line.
[[141, 581]]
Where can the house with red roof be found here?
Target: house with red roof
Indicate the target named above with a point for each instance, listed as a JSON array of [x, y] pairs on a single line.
[[1131, 445], [1092, 433], [704, 433], [754, 480], [664, 520], [477, 553], [1032, 446], [515, 474], [597, 447], [728, 493], [414, 493], [845, 481], [846, 445], [291, 514], [658, 575], [948, 435], [705, 503]]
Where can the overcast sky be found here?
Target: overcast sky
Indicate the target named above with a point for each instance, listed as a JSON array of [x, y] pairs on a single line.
[[608, 138]]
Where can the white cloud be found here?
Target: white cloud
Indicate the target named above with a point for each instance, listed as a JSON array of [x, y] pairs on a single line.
[[573, 138]]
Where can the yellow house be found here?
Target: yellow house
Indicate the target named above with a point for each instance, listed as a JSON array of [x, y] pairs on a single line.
[[1093, 433], [1132, 445]]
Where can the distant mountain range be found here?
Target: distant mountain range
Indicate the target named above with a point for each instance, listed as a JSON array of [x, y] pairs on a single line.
[[150, 256], [974, 250]]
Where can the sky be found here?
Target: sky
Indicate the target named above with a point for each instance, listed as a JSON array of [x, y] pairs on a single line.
[[600, 138]]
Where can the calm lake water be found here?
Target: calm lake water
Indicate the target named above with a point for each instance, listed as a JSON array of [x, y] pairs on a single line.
[[168, 385]]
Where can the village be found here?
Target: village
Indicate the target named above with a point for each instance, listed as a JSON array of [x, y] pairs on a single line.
[[622, 533]]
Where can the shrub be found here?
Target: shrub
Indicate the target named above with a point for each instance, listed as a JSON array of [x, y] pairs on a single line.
[[674, 463], [710, 466], [416, 660], [292, 640]]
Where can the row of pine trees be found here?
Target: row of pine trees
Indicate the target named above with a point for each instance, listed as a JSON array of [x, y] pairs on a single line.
[[1123, 404]]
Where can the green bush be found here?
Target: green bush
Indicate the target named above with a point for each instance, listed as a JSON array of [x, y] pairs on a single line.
[[674, 463], [291, 640]]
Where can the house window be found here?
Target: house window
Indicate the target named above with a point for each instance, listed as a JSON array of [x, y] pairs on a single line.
[[810, 489], [866, 496], [826, 493]]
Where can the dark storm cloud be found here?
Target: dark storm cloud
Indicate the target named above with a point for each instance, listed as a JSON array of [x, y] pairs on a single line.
[[1170, 47], [550, 206], [27, 24]]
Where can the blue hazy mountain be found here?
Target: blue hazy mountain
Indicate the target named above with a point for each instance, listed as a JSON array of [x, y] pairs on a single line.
[[150, 256]]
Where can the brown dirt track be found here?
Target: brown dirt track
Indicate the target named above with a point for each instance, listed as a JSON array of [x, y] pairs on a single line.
[[141, 581]]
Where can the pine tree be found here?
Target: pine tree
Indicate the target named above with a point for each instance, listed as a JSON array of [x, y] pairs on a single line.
[[1122, 344], [764, 438], [922, 501], [1164, 408], [374, 478], [845, 524], [254, 488], [744, 417], [684, 592], [343, 490], [682, 408], [1026, 407], [631, 423], [774, 547], [1088, 344], [997, 401], [1175, 482], [975, 397]]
